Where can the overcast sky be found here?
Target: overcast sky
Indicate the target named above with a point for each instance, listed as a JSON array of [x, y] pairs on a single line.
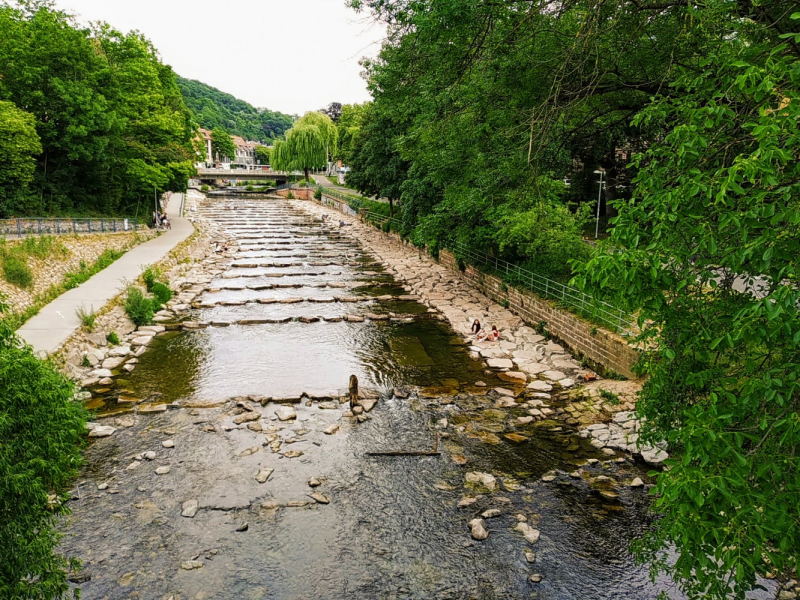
[[287, 55]]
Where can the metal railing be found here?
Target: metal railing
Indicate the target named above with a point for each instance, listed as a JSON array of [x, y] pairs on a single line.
[[597, 311], [581, 303], [48, 226]]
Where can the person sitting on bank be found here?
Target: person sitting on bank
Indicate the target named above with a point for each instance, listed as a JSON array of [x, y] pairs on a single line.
[[476, 328], [494, 335]]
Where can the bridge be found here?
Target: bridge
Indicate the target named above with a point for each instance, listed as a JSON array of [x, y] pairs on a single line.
[[217, 175]]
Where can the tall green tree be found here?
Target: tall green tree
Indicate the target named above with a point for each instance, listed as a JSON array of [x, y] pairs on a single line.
[[707, 251], [101, 101], [19, 146], [307, 146], [349, 126], [377, 168], [222, 145]]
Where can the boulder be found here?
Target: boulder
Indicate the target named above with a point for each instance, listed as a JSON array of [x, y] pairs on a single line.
[[528, 532], [247, 417], [500, 363], [102, 431], [478, 529], [482, 479], [284, 413], [263, 475]]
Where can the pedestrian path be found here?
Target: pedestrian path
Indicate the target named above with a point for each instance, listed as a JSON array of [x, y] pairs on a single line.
[[56, 322]]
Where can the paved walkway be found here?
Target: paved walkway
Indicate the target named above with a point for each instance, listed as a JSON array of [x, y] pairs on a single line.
[[325, 182], [48, 330]]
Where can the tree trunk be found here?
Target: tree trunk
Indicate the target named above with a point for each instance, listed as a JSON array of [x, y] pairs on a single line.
[[391, 207], [305, 170]]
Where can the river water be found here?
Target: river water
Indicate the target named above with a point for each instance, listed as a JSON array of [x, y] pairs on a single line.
[[393, 528]]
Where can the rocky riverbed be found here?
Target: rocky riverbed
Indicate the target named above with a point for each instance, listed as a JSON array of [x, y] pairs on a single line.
[[227, 461]]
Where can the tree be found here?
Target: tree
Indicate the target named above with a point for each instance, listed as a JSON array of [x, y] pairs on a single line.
[[42, 428], [19, 145], [377, 168], [263, 154], [707, 252], [222, 145], [307, 144], [334, 111], [348, 128]]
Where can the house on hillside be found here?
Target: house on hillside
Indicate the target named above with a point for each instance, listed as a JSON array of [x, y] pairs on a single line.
[[245, 153], [204, 138]]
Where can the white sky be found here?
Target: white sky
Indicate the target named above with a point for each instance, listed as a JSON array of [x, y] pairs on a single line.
[[286, 55]]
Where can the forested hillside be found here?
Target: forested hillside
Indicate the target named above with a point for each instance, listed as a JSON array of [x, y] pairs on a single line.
[[91, 121], [213, 109]]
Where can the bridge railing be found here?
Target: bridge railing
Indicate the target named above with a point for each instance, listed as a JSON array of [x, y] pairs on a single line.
[[51, 226]]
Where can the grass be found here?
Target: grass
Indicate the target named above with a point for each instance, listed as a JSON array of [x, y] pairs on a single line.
[[14, 257], [112, 338], [609, 397], [70, 281], [87, 318]]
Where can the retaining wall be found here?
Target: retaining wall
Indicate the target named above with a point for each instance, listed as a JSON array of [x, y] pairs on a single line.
[[583, 338]]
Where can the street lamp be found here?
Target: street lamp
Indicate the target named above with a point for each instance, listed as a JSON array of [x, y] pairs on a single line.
[[599, 192]]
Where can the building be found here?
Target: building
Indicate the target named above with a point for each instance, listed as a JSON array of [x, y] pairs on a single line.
[[245, 153]]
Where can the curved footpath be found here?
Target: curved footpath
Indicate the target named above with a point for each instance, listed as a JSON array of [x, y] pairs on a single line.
[[48, 330]]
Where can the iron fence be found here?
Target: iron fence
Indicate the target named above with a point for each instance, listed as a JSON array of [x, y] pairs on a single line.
[[47, 226]]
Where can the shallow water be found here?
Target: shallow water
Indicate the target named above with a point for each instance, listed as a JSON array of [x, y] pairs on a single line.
[[392, 529]]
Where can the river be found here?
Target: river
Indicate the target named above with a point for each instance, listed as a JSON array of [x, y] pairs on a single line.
[[393, 527]]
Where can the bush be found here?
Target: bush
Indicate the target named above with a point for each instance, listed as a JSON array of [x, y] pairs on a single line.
[[42, 429], [249, 188], [139, 308], [112, 338], [204, 188], [161, 293], [17, 272], [151, 276], [318, 193], [290, 196]]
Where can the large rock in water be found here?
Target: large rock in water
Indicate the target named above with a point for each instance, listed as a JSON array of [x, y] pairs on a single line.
[[102, 431], [285, 413], [482, 479], [478, 528], [530, 534], [247, 417]]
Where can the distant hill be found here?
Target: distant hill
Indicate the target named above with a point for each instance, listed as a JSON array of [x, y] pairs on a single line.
[[212, 108]]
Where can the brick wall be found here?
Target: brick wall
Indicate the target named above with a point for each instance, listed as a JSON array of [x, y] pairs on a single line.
[[602, 347]]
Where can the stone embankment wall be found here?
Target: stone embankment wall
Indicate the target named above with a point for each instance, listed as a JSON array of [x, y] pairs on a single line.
[[51, 271], [300, 193], [598, 345]]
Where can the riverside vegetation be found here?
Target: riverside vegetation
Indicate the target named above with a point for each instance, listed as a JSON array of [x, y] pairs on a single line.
[[481, 113]]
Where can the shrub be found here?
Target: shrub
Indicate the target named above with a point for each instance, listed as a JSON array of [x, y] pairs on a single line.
[[204, 188], [161, 293], [112, 338], [87, 318], [290, 196], [150, 276], [139, 308], [249, 188], [85, 362], [504, 303], [42, 430], [17, 272], [318, 193]]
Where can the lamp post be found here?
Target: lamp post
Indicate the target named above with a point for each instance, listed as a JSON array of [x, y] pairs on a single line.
[[599, 192]]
